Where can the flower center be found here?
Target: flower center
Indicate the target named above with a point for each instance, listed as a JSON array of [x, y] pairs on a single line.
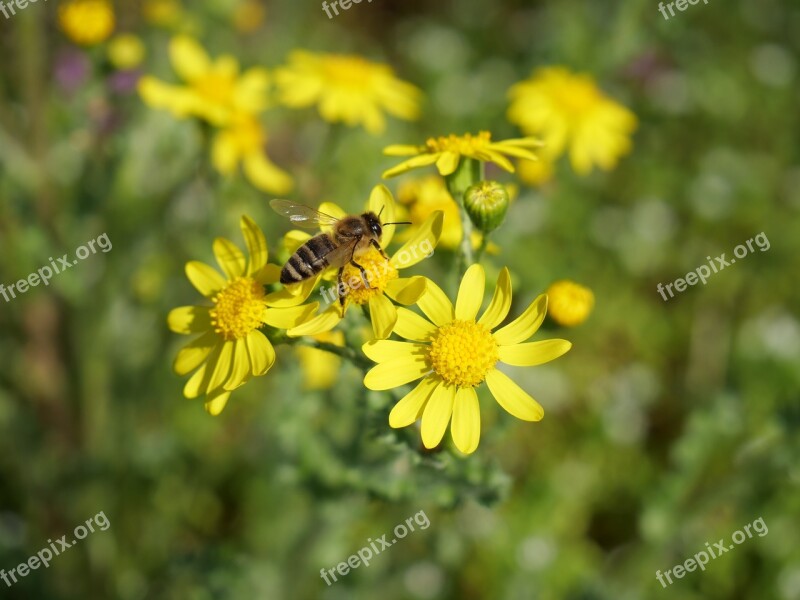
[[239, 308], [247, 134], [577, 95], [379, 272], [347, 71], [462, 353], [216, 88], [461, 144]]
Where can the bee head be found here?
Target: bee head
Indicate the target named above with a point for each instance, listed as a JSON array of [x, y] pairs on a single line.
[[373, 222]]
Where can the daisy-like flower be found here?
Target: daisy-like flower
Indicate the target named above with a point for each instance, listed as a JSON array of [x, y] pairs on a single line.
[[453, 353], [347, 89], [215, 90], [86, 22], [230, 349], [571, 113], [382, 273], [447, 152], [570, 303], [244, 141]]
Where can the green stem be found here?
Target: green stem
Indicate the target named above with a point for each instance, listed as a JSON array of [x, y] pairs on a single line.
[[482, 248], [468, 172], [343, 351]]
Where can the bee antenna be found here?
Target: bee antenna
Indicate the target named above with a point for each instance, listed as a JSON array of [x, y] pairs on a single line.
[[381, 211], [399, 223]]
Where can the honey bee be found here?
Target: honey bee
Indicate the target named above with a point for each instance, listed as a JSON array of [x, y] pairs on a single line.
[[351, 236]]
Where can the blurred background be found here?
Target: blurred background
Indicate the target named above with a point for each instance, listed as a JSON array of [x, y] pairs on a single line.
[[668, 425]]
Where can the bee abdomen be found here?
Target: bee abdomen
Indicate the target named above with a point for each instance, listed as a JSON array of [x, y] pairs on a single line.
[[308, 260]]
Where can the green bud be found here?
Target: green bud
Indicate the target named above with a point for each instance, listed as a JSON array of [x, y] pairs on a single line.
[[486, 203]]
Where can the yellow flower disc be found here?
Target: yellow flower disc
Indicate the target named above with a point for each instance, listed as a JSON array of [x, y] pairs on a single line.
[[239, 308], [379, 273], [463, 352], [569, 303]]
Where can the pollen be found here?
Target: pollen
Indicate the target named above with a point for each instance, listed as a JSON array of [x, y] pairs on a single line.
[[239, 308], [378, 272], [462, 353], [461, 144]]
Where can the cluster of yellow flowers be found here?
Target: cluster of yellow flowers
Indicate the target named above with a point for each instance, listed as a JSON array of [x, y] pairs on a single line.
[[444, 346]]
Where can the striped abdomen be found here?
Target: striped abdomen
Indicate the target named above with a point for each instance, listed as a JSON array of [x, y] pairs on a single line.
[[308, 260]]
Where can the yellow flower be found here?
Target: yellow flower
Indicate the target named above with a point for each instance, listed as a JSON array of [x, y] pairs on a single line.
[[214, 90], [569, 111], [536, 173], [244, 140], [446, 152], [231, 349], [86, 22], [453, 353], [570, 303], [346, 88], [162, 12], [126, 51], [382, 274], [320, 368], [249, 16]]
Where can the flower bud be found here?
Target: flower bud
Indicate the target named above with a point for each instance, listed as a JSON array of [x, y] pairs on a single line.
[[486, 203]]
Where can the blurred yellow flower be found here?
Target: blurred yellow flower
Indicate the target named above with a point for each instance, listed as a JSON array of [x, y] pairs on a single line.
[[382, 273], [126, 51], [244, 141], [346, 88], [249, 15], [214, 91], [162, 12], [320, 368], [536, 173], [569, 111], [446, 152], [86, 22], [453, 353], [231, 349], [570, 303]]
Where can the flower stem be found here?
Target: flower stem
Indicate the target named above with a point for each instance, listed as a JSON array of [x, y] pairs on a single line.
[[468, 172], [484, 243], [343, 351]]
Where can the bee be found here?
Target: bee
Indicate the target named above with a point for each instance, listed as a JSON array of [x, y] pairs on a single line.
[[350, 237]]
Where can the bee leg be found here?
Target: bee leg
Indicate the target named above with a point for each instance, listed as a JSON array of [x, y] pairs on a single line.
[[363, 272], [339, 289], [377, 247]]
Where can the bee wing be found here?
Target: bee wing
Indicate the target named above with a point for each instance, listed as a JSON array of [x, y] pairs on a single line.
[[342, 254], [302, 215]]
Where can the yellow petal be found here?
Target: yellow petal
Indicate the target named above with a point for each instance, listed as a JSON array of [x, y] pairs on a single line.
[[286, 318], [412, 163], [383, 315], [268, 275], [216, 403], [324, 321], [421, 245], [189, 319], [501, 301], [524, 326], [396, 372], [412, 326], [264, 175], [222, 370], [332, 209], [513, 398], [256, 245], [409, 408], [240, 371], [466, 426], [436, 415], [205, 279], [225, 153], [261, 352], [188, 58], [196, 386], [470, 293], [292, 295], [447, 163], [229, 257], [195, 353], [386, 350], [534, 353], [382, 203], [401, 150], [436, 305], [293, 239], [406, 290]]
